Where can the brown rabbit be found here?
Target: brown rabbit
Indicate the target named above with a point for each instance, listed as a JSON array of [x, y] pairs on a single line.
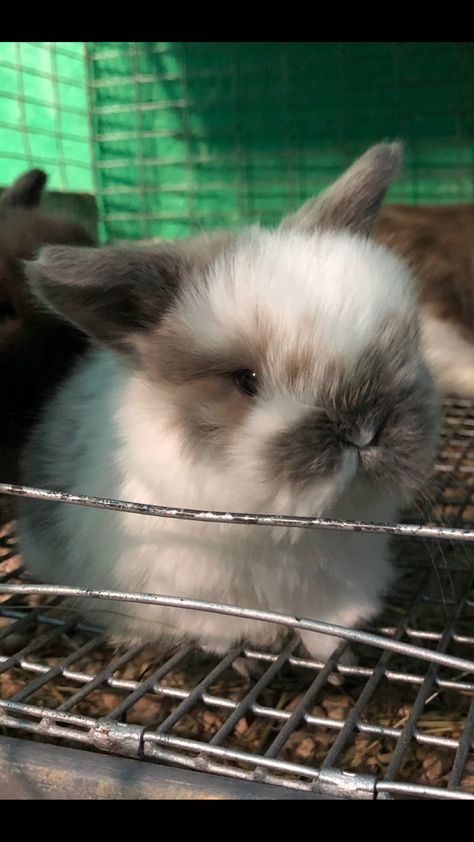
[[36, 348], [438, 242]]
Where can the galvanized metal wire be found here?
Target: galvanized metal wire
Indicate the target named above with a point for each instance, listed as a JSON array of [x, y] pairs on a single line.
[[247, 519]]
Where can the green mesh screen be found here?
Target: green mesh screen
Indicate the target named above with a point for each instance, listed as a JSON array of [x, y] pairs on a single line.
[[44, 120], [200, 135], [193, 135]]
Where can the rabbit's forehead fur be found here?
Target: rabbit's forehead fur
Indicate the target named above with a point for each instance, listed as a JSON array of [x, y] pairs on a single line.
[[288, 306], [332, 290]]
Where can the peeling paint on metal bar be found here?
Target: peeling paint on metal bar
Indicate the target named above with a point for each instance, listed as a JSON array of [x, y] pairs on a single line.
[[242, 519]]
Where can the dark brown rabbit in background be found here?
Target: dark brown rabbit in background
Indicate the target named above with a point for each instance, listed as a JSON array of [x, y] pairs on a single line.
[[36, 348], [438, 243]]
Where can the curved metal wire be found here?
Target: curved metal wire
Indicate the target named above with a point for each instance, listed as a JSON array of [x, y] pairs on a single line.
[[289, 620], [239, 518]]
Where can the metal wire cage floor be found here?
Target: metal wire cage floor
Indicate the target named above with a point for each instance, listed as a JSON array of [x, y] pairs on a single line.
[[397, 723]]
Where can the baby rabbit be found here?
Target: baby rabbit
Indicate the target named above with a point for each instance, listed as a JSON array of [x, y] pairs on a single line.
[[266, 371], [36, 347], [438, 243]]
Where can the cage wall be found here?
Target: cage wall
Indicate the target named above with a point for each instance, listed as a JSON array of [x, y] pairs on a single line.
[[202, 135], [44, 118]]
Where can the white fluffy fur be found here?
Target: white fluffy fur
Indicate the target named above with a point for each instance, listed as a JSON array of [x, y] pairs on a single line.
[[333, 288], [120, 439]]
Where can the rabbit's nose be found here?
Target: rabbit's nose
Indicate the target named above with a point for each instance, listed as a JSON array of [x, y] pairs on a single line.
[[362, 438]]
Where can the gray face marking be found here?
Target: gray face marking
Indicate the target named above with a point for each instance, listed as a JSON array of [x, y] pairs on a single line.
[[392, 423]]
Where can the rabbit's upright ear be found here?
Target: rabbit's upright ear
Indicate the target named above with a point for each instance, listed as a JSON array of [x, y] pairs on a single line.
[[25, 192], [353, 201], [115, 295]]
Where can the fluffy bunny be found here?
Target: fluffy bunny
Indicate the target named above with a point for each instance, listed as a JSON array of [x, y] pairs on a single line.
[[36, 347], [438, 243], [267, 371]]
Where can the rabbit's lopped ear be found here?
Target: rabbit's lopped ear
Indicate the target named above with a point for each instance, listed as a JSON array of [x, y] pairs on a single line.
[[25, 192], [113, 294], [353, 201]]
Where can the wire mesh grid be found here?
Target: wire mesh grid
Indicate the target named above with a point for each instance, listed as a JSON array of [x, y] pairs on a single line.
[[44, 118], [398, 722], [191, 135]]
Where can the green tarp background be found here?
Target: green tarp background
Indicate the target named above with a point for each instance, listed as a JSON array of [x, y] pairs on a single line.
[[186, 136]]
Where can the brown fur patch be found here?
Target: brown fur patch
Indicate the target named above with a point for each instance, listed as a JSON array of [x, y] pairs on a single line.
[[208, 405], [438, 243], [173, 355], [299, 365], [210, 409]]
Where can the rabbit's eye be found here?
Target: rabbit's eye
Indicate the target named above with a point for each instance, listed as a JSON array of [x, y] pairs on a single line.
[[246, 381]]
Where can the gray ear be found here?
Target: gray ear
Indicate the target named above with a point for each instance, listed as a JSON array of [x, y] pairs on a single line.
[[26, 191], [112, 294], [353, 201]]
